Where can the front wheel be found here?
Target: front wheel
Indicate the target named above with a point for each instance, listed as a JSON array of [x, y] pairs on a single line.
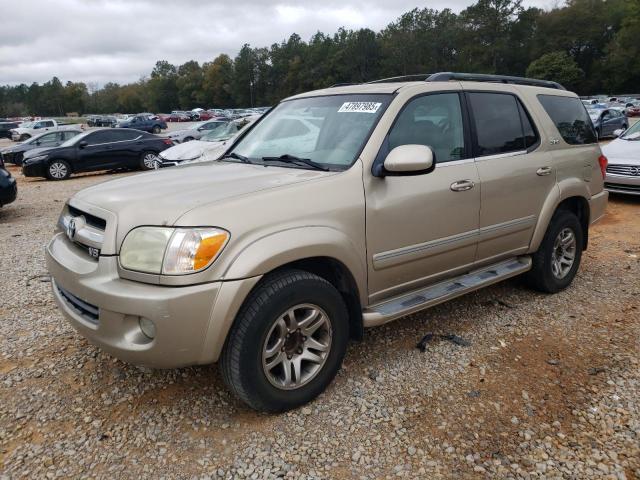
[[58, 170], [149, 161], [556, 262], [287, 342], [156, 129]]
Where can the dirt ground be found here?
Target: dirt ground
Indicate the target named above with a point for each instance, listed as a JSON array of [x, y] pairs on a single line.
[[548, 387]]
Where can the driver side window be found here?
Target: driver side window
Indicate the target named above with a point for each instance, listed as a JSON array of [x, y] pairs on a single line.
[[434, 121]]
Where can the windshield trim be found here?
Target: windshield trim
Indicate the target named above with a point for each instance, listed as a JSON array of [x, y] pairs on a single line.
[[331, 166]]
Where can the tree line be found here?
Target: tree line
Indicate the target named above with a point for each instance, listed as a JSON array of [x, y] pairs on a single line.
[[590, 46]]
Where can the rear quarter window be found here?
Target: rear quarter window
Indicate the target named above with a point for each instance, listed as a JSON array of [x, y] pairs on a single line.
[[570, 118]]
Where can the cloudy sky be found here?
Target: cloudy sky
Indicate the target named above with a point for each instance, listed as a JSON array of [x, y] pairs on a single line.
[[98, 41]]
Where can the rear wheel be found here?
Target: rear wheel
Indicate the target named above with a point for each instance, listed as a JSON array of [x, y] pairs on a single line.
[[287, 342], [149, 161], [188, 139], [58, 170], [556, 262], [156, 129]]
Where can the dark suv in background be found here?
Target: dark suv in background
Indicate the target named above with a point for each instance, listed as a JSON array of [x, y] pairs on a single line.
[[144, 122], [106, 149]]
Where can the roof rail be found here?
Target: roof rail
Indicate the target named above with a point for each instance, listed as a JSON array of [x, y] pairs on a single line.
[[345, 84], [482, 77], [418, 77]]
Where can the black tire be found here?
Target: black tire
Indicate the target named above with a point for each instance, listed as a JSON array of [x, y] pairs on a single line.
[[242, 357], [58, 170], [188, 139], [145, 163], [156, 129], [541, 276], [24, 137]]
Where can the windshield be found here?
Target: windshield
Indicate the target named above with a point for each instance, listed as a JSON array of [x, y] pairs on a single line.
[[221, 133], [632, 133], [328, 130], [27, 124]]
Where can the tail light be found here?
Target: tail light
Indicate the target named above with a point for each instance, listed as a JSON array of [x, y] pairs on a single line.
[[167, 141], [602, 160]]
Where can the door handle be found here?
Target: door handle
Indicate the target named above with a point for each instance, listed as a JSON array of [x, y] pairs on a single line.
[[462, 185], [542, 171]]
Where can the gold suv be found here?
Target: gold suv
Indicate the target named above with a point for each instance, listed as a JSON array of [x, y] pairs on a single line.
[[340, 209]]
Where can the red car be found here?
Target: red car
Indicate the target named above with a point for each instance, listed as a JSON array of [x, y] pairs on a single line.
[[633, 111], [204, 115]]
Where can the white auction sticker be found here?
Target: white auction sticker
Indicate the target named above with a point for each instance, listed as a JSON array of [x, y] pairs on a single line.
[[359, 107]]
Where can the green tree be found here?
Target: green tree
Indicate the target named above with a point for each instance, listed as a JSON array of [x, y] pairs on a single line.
[[556, 66], [217, 81], [162, 87]]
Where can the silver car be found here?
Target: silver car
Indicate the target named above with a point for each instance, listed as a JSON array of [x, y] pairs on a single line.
[[196, 131], [623, 171]]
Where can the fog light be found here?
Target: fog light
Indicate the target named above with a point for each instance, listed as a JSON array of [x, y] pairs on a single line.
[[147, 327]]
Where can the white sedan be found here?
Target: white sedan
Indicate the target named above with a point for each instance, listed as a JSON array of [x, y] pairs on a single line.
[[623, 170]]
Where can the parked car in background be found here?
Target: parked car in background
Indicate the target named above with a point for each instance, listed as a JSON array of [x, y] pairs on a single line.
[[8, 186], [15, 153], [607, 120], [210, 146], [27, 130], [145, 122], [633, 109], [195, 131], [6, 127], [178, 117], [623, 170], [105, 149]]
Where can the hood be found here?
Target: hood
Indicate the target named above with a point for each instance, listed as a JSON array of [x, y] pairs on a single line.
[[623, 152], [162, 196], [187, 150]]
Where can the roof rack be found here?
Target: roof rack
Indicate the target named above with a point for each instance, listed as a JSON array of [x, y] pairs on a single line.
[[482, 77], [418, 77], [344, 84]]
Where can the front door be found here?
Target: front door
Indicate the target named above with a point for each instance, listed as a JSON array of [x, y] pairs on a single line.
[[423, 228]]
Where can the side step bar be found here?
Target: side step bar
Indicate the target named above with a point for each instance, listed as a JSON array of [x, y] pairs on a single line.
[[441, 292]]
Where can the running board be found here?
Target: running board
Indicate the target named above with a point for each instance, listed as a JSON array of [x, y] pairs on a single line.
[[441, 292]]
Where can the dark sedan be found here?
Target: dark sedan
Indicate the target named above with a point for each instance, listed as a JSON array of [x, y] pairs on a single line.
[[97, 150], [45, 140], [607, 121], [8, 187]]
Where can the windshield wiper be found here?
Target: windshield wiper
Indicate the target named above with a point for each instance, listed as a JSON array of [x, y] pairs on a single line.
[[237, 156], [287, 158]]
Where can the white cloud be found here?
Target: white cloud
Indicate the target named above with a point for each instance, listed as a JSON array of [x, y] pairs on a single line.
[[120, 40]]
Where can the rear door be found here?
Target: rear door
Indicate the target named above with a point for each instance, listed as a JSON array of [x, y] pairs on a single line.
[[516, 173]]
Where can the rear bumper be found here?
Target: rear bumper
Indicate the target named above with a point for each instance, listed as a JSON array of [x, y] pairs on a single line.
[[190, 322], [598, 206]]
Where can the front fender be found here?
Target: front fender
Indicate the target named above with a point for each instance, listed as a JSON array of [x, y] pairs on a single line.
[[277, 249]]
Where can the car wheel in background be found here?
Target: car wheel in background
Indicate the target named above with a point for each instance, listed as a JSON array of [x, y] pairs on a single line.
[[287, 342], [187, 139], [156, 129], [556, 262], [58, 170], [24, 137], [149, 161]]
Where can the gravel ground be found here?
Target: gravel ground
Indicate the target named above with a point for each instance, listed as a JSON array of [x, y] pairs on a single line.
[[547, 386]]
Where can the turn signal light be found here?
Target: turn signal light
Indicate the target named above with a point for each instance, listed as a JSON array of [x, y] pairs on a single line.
[[602, 160]]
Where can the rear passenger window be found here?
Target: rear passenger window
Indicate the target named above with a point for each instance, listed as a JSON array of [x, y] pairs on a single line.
[[434, 121], [570, 117], [501, 124]]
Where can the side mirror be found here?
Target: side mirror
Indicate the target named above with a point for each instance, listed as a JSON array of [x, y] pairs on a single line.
[[82, 144], [618, 132], [409, 160]]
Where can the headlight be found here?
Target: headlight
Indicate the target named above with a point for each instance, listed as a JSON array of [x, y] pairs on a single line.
[[171, 251]]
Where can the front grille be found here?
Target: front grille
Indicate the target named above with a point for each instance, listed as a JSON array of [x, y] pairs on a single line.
[[627, 170], [622, 188], [92, 220], [89, 312]]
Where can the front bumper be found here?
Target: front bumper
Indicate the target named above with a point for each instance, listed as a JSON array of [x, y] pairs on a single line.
[[36, 169], [191, 322], [622, 184]]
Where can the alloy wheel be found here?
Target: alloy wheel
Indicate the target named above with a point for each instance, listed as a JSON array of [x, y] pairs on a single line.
[[58, 170], [297, 346], [150, 161], [564, 253]]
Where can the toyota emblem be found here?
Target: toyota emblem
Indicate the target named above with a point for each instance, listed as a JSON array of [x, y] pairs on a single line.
[[635, 171], [71, 229]]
